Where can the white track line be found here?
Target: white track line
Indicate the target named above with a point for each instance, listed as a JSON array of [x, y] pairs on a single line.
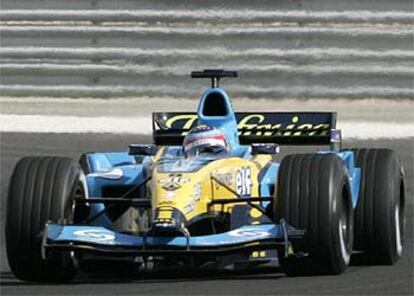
[[143, 125], [74, 124]]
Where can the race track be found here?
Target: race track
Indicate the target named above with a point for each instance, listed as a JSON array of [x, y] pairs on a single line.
[[358, 280]]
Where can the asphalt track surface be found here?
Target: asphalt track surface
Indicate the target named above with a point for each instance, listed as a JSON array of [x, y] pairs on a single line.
[[357, 280]]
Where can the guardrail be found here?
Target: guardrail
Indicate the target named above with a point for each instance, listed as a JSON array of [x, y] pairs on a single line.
[[48, 48]]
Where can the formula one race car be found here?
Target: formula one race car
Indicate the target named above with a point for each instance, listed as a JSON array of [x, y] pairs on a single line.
[[208, 193]]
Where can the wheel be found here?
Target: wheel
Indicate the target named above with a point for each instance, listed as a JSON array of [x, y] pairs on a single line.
[[380, 211], [41, 189], [313, 194]]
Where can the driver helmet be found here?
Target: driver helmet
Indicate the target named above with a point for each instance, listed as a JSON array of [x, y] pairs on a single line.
[[204, 139]]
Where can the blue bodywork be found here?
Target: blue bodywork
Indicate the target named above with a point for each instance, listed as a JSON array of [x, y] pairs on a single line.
[[227, 123], [103, 236], [100, 166], [111, 169]]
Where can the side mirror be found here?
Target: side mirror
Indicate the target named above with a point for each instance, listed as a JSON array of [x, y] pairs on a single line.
[[142, 149], [260, 148]]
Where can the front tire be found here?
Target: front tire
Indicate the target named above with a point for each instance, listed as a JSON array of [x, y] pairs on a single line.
[[313, 194], [41, 189]]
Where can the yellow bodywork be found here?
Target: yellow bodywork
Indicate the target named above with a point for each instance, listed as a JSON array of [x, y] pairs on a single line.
[[192, 193]]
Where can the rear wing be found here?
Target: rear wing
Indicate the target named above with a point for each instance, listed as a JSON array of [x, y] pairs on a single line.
[[284, 128]]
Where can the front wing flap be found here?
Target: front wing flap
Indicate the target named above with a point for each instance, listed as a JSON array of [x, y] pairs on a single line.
[[101, 240]]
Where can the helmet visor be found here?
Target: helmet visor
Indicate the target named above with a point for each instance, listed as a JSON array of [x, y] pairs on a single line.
[[205, 146]]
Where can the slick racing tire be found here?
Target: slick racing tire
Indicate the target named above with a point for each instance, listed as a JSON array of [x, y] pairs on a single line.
[[41, 189], [313, 194], [380, 212]]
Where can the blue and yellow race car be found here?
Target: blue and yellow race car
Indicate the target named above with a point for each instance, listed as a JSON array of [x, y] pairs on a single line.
[[211, 191]]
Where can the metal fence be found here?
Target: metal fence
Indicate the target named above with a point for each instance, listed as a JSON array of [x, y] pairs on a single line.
[[305, 49]]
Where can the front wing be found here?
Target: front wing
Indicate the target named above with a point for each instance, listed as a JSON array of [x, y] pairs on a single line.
[[94, 239]]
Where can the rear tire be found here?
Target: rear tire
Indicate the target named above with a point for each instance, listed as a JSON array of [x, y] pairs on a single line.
[[380, 211], [41, 189], [313, 194]]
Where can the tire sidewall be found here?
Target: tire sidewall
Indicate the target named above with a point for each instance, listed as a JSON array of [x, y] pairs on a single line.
[[342, 210], [395, 226]]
